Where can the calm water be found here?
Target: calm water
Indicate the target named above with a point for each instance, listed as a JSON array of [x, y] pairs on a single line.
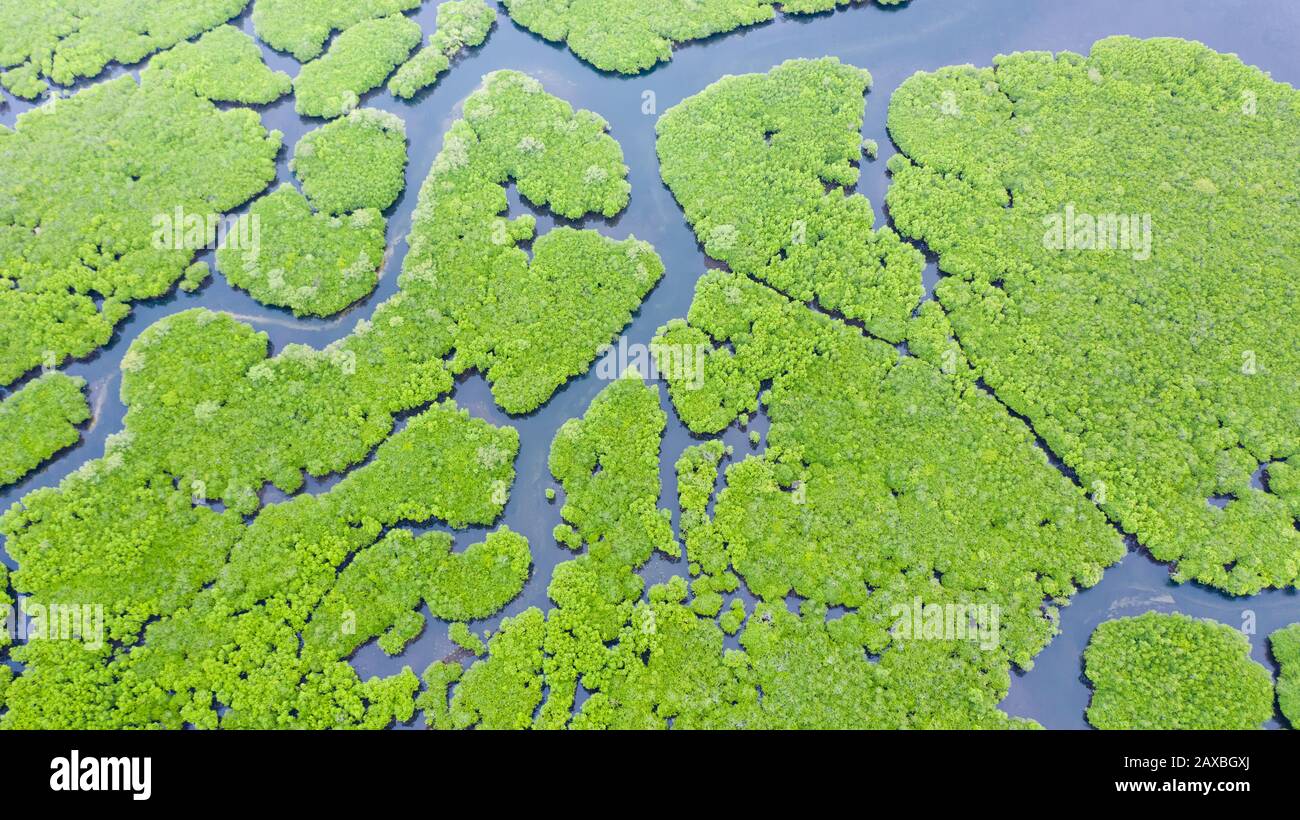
[[892, 44]]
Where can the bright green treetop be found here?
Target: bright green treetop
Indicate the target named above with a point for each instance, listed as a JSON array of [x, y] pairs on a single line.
[[228, 601], [630, 36], [38, 421], [359, 60], [1286, 651], [1159, 671], [1122, 293], [224, 65], [163, 165], [312, 263], [62, 41], [461, 24], [301, 27], [355, 162], [528, 324], [752, 160]]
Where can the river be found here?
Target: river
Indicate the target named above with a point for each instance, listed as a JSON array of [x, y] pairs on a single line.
[[892, 43]]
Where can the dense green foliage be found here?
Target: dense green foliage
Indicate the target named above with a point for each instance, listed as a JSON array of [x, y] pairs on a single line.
[[966, 530], [462, 636], [205, 591], [194, 277], [528, 325], [1159, 385], [751, 160], [461, 24], [312, 263], [62, 41], [6, 601], [608, 464], [1160, 671], [355, 162], [223, 65], [225, 602], [359, 59], [631, 36], [319, 263], [1155, 368], [39, 421], [982, 521], [200, 387], [852, 505], [1286, 651], [659, 660], [1284, 482], [301, 27], [146, 152], [211, 419]]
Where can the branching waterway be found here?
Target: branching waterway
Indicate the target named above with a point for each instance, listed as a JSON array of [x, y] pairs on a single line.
[[892, 43]]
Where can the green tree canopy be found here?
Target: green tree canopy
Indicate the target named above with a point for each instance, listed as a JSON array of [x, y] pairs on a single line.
[[359, 60], [528, 324], [38, 421], [1160, 671], [43, 41], [630, 36], [1286, 651], [224, 65], [163, 164], [462, 24], [1122, 292], [312, 263], [355, 162]]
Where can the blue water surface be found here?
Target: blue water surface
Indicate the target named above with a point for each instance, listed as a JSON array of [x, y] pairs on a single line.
[[892, 43]]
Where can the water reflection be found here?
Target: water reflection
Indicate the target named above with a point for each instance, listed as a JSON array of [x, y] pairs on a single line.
[[892, 44]]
